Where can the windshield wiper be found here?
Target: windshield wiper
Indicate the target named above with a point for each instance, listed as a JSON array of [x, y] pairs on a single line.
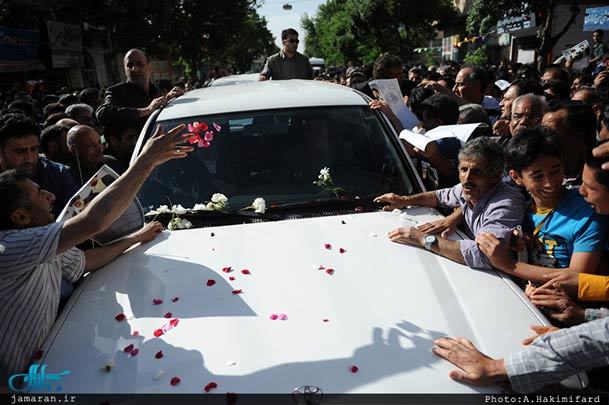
[[217, 214], [329, 203]]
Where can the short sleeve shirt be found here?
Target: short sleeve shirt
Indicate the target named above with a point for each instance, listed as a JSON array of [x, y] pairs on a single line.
[[30, 277]]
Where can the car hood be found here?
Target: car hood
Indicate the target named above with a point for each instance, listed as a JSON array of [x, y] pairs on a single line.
[[379, 310]]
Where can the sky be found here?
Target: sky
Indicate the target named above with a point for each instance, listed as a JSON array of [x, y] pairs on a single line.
[[278, 19]]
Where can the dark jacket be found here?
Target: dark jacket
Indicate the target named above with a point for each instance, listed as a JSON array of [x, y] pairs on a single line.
[[121, 102], [56, 178]]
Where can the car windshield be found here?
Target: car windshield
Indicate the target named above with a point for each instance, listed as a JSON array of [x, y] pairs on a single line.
[[278, 155]]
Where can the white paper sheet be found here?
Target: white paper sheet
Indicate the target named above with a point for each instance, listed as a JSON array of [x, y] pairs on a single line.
[[420, 141], [390, 92]]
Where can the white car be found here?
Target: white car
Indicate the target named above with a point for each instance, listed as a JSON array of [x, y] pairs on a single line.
[[308, 292]]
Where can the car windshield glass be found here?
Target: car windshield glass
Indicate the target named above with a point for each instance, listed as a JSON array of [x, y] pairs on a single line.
[[278, 155]]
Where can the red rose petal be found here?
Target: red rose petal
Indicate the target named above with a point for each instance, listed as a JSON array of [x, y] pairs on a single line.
[[120, 317], [167, 315], [157, 301], [175, 299], [128, 349], [37, 355], [175, 381], [341, 250], [135, 333], [321, 267], [353, 369], [174, 322], [134, 352], [235, 292], [330, 271], [326, 320], [158, 332], [231, 278], [159, 355], [246, 271], [210, 386], [273, 317], [211, 282], [227, 269], [328, 246]]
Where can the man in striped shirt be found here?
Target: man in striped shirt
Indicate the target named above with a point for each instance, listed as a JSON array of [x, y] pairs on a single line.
[[36, 252]]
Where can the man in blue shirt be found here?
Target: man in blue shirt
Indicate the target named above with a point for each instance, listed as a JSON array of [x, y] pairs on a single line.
[[19, 148]]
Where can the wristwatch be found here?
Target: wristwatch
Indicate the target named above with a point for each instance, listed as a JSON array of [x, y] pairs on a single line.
[[430, 240]]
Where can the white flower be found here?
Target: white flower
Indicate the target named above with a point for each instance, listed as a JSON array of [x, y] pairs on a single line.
[[178, 209], [163, 209], [215, 206], [200, 207], [259, 205], [324, 174], [219, 198], [2, 248], [108, 365], [179, 223]]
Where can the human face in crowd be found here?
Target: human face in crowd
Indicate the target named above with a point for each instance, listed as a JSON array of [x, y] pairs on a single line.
[[467, 89], [603, 134], [524, 115], [476, 178], [550, 75], [396, 72], [506, 102], [543, 179], [89, 148], [575, 85], [20, 153], [290, 44], [137, 68], [86, 118], [596, 37], [58, 151], [124, 145], [40, 212], [593, 192]]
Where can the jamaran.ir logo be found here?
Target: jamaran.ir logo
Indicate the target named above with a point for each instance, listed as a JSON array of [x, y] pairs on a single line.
[[36, 380]]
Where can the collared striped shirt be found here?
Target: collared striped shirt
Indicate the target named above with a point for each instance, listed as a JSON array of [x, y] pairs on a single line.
[[555, 356], [30, 278]]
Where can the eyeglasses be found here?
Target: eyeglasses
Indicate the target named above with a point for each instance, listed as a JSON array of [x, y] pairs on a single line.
[[530, 117], [292, 41]]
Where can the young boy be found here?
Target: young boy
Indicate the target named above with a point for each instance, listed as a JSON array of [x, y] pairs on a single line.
[[565, 231]]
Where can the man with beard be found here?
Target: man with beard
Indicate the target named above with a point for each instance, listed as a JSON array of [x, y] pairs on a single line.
[[132, 101], [19, 148], [488, 205]]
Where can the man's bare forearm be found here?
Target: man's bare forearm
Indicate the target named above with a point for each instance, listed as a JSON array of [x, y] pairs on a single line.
[[427, 199], [105, 208], [99, 257], [451, 249]]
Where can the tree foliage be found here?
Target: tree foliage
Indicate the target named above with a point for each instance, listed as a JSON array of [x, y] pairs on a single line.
[[359, 30], [227, 32]]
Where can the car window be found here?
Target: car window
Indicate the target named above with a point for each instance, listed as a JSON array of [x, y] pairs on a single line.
[[277, 155]]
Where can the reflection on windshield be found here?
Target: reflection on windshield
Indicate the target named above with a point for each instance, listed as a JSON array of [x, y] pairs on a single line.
[[278, 155]]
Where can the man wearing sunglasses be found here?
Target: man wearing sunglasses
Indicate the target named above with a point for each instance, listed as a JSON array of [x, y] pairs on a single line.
[[288, 63]]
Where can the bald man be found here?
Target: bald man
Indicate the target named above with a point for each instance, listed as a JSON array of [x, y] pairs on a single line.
[[131, 102], [85, 147]]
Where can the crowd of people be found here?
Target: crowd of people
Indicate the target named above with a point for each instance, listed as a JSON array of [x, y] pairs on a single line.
[[530, 188]]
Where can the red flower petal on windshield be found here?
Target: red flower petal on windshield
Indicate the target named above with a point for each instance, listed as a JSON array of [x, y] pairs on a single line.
[[341, 250], [211, 282], [120, 317], [174, 322], [135, 333], [158, 355], [330, 271], [227, 269], [37, 355], [209, 136], [231, 278], [354, 369], [167, 315], [328, 246], [128, 349], [217, 127], [246, 271], [194, 139], [158, 332], [157, 301], [205, 144], [235, 292], [175, 299], [175, 381], [191, 128], [210, 386], [134, 352]]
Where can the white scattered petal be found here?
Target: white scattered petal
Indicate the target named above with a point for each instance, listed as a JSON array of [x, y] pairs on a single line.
[[396, 212], [231, 363], [373, 234], [200, 207], [158, 375], [179, 223], [259, 205]]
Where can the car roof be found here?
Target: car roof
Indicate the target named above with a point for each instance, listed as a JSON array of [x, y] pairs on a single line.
[[235, 79], [267, 95]]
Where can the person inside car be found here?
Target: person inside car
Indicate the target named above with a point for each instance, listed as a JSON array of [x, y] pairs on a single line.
[[37, 252], [488, 205]]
